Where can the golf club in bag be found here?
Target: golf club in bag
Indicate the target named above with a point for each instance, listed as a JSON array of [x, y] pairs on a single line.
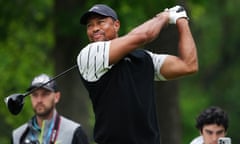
[[15, 101]]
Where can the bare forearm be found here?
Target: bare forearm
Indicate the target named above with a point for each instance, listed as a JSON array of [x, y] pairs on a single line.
[[140, 35], [187, 47], [149, 30]]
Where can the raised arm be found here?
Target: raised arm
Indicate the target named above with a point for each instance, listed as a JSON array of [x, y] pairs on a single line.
[[174, 66], [187, 62], [140, 35], [103, 30]]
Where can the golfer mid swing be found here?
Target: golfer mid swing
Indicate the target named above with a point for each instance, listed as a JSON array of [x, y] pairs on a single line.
[[120, 77]]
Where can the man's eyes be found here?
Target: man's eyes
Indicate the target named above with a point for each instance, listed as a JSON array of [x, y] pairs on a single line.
[[99, 22], [209, 132]]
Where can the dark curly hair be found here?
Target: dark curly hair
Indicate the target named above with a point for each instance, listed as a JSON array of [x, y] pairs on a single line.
[[212, 115]]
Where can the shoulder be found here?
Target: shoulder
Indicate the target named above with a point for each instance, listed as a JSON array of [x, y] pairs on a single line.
[[71, 129], [93, 60], [19, 132], [68, 125], [20, 129], [197, 140], [95, 46]]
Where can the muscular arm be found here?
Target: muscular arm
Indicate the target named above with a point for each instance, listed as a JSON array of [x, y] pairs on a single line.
[[142, 34], [95, 59], [187, 62]]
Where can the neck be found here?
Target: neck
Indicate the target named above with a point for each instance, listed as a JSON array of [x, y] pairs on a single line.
[[40, 119]]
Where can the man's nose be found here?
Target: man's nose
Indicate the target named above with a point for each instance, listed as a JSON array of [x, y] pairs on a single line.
[[39, 98], [215, 138], [95, 27]]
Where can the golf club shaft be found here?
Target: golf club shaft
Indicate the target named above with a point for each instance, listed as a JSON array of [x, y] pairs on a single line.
[[57, 76]]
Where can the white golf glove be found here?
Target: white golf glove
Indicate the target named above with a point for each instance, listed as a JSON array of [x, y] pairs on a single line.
[[175, 13]]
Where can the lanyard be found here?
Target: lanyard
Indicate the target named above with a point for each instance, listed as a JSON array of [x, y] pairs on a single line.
[[53, 131]]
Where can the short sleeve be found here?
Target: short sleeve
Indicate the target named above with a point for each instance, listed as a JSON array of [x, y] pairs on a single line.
[[158, 60], [93, 60]]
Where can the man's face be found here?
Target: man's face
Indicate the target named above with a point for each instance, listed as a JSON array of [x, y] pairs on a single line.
[[212, 132], [43, 102], [101, 28]]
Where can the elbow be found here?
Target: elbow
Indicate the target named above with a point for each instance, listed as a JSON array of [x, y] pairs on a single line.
[[196, 68], [193, 68]]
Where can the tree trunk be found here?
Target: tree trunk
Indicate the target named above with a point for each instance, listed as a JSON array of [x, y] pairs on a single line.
[[167, 92], [74, 102], [168, 112]]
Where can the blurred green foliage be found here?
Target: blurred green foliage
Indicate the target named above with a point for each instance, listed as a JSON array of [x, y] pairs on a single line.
[[216, 32], [27, 41]]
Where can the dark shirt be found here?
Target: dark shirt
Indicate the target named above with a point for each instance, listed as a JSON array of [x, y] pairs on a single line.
[[124, 102]]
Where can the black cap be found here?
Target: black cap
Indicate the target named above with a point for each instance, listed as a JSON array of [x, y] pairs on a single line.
[[100, 9], [40, 80]]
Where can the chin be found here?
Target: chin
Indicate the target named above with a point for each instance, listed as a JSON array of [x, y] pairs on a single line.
[[99, 39]]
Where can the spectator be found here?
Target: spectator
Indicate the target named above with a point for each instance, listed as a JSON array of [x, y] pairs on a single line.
[[212, 124], [47, 126]]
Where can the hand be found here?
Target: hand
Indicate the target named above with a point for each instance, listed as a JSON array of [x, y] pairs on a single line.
[[175, 13]]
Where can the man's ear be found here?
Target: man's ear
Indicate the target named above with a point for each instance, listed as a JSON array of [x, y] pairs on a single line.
[[57, 97], [116, 25], [225, 133]]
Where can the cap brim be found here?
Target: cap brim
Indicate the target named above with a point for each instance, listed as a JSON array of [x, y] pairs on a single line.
[[85, 16], [39, 86]]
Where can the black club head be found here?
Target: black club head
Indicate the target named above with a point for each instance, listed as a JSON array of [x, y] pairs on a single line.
[[15, 103]]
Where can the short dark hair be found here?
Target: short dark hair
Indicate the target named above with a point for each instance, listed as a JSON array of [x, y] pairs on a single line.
[[212, 115]]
